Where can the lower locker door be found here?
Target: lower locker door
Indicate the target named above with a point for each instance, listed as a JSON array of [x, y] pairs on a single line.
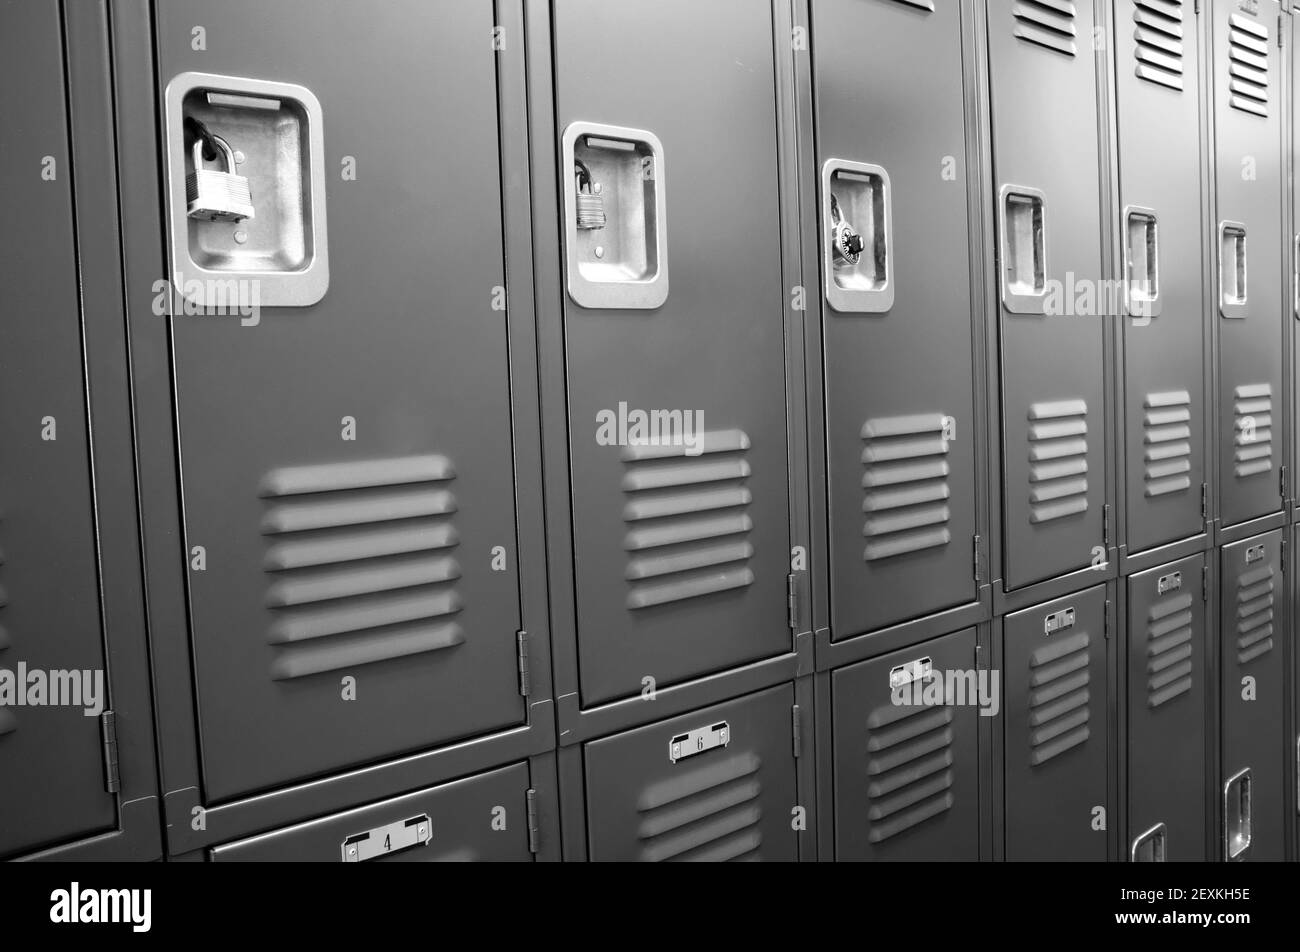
[[1054, 729], [907, 759], [717, 784], [480, 818]]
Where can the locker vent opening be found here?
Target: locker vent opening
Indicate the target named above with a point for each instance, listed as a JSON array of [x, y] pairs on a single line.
[[1249, 52], [1048, 24], [1159, 38], [909, 765], [688, 518], [1058, 460], [705, 813], [360, 560], [1167, 446], [1252, 410], [927, 5], [7, 720], [1169, 649], [1059, 697], [906, 485], [1255, 614]]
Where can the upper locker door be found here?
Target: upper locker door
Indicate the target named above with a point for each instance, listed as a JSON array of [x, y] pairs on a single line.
[[667, 115], [900, 406], [51, 755], [1044, 110], [1157, 67], [347, 464], [1248, 283]]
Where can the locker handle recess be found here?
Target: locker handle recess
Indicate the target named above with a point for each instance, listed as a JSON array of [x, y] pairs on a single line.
[[1023, 249], [1141, 262], [857, 237], [1236, 815], [1150, 846], [386, 840], [1232, 269]]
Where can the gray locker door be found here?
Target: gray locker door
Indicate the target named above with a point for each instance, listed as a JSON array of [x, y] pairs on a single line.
[[1044, 92], [907, 774], [50, 756], [1157, 66], [1055, 728], [1248, 282], [900, 409], [729, 795], [483, 818], [682, 560], [1254, 713], [367, 558], [1166, 711]]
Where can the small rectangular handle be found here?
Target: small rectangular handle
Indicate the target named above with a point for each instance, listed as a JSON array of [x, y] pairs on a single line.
[[385, 840], [1022, 243], [1150, 846], [1236, 815], [1232, 269], [857, 237], [1141, 262]]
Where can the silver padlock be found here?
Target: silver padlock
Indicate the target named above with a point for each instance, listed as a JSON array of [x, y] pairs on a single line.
[[214, 195], [591, 204]]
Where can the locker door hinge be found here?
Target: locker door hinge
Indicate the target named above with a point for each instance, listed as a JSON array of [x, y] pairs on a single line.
[[1196, 7], [1205, 583], [525, 681], [792, 600], [108, 731], [1282, 558], [1105, 525], [798, 734], [1205, 500], [1280, 32], [531, 799], [1281, 481], [979, 572], [1105, 627]]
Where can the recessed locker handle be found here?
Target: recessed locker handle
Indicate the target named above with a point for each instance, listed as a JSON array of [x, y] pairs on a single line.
[[1141, 262], [857, 236], [386, 840], [1232, 269], [1150, 846], [1022, 249], [1236, 815]]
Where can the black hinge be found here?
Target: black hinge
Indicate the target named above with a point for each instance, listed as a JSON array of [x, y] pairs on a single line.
[[108, 731], [1205, 583], [531, 798], [1105, 525], [1281, 481], [979, 574], [798, 734], [1279, 31], [525, 682], [792, 601], [1196, 7], [1106, 624], [1205, 500], [1282, 558]]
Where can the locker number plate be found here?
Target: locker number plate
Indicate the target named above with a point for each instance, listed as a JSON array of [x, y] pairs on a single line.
[[917, 670], [698, 741], [1058, 621], [402, 835], [1170, 583], [1254, 553]]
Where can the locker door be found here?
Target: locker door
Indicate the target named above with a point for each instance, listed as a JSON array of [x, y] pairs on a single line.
[[1157, 69], [1054, 728], [347, 466], [728, 795], [452, 822], [50, 756], [900, 421], [1044, 102], [1247, 117], [683, 550], [1166, 713], [907, 774], [1250, 637]]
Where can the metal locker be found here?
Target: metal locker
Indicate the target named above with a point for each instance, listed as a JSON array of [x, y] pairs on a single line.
[[1054, 728], [1043, 86], [900, 408], [1248, 274], [682, 544], [716, 784], [51, 637], [1157, 70], [907, 765], [1166, 708], [347, 474], [483, 818], [1252, 793]]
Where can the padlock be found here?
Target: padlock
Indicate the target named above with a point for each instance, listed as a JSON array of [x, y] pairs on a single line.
[[214, 195], [845, 240], [591, 204]]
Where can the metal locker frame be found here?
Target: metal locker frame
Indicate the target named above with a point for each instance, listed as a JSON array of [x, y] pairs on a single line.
[[575, 722], [192, 821], [90, 169]]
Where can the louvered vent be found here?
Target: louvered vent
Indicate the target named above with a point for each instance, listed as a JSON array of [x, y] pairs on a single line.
[[909, 763], [705, 813], [360, 560], [1058, 697], [919, 4], [1159, 38], [687, 518], [7, 720], [1169, 649], [906, 485], [1248, 65], [1253, 409], [1167, 442], [1255, 614], [1058, 460], [1047, 23]]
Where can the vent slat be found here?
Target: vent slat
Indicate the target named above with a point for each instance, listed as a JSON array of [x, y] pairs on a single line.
[[1249, 67], [1059, 697], [1253, 437], [1255, 598], [909, 761], [1058, 460], [1048, 24], [906, 485], [315, 657]]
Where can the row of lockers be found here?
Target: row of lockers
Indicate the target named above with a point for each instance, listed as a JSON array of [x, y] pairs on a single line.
[[306, 449]]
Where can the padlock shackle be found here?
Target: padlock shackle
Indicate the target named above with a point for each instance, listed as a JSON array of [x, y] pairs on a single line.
[[222, 144]]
